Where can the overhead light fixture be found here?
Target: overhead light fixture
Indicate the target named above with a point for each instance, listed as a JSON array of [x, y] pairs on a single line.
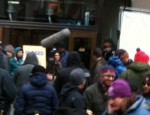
[[13, 2], [11, 8]]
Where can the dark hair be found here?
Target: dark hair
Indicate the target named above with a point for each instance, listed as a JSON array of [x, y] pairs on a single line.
[[120, 52], [112, 45], [60, 44], [108, 41], [54, 52], [97, 52], [74, 59], [146, 78]]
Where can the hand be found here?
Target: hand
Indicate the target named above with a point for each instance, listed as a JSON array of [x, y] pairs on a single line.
[[49, 77], [110, 108], [89, 112]]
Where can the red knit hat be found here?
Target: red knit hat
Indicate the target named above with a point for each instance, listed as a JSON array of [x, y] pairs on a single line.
[[141, 56]]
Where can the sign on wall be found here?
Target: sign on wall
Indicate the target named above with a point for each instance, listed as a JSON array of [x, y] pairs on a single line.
[[38, 50]]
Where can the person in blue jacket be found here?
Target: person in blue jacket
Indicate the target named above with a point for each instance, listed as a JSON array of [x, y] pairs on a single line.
[[117, 64], [123, 102], [37, 96], [17, 60]]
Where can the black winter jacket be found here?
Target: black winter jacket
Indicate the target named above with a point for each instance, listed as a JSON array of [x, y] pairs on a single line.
[[71, 97], [7, 90]]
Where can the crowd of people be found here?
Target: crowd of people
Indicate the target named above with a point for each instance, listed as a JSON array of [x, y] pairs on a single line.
[[114, 85]]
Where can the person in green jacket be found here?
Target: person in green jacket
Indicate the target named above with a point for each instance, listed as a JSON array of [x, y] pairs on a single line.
[[135, 70], [96, 94]]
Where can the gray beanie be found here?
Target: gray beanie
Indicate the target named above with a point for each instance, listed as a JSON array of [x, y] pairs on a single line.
[[9, 48], [77, 76]]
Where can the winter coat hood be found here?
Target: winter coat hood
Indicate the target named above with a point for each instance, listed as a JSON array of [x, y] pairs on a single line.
[[74, 59], [68, 89], [117, 64], [38, 79], [115, 61], [17, 49], [138, 66], [31, 59]]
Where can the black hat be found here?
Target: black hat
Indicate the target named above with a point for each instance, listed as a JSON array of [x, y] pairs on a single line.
[[38, 68]]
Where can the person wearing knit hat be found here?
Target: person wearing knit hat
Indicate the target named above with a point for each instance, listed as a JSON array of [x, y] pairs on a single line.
[[122, 101], [107, 74], [135, 70], [116, 89], [96, 94], [77, 76], [70, 94], [9, 51], [141, 56]]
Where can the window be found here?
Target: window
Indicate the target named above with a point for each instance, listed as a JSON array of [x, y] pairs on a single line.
[[71, 12]]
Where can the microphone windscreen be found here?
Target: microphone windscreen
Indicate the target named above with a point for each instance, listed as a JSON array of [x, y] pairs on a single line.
[[52, 39]]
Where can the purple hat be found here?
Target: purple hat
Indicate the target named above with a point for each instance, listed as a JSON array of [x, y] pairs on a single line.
[[119, 88]]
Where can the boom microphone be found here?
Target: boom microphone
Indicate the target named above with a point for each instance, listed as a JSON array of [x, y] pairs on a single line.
[[52, 39]]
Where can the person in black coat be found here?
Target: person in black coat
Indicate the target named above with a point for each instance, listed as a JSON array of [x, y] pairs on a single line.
[[70, 93], [7, 89], [73, 61], [54, 65], [108, 49], [37, 96]]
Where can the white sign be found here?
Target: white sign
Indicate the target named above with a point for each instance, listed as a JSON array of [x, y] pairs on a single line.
[[39, 51], [135, 32]]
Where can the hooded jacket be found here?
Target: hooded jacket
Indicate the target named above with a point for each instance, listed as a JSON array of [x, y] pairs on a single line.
[[4, 61], [7, 89], [135, 109], [117, 64], [36, 96], [15, 62], [134, 73], [23, 72], [146, 103], [71, 97]]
